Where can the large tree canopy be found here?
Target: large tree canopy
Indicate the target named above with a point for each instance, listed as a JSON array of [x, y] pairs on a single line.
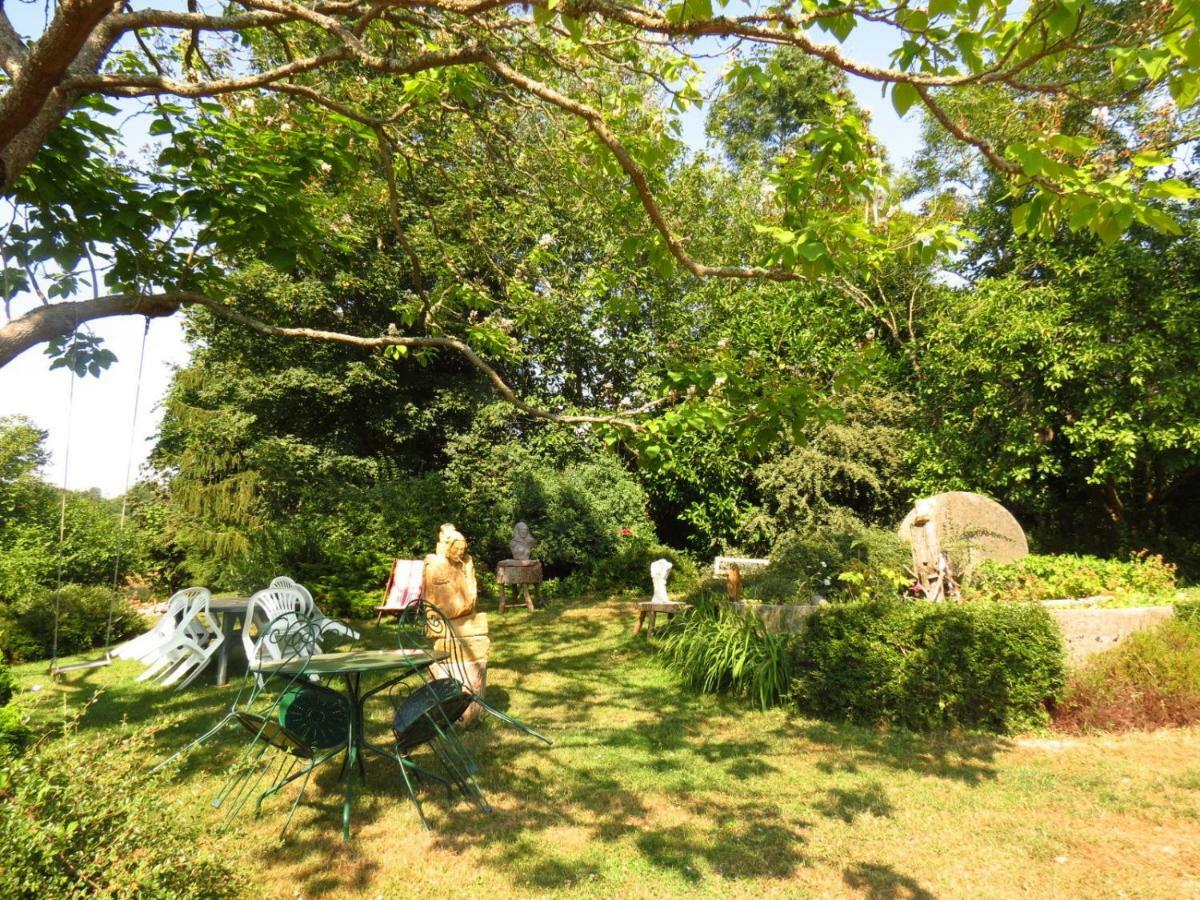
[[257, 107]]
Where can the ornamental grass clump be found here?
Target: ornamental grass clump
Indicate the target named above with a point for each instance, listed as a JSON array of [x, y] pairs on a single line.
[[1150, 680], [718, 649]]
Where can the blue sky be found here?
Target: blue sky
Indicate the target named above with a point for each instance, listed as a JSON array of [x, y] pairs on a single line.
[[102, 408]]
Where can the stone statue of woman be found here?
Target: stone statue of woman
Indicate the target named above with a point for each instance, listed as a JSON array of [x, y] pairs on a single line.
[[659, 570], [450, 585]]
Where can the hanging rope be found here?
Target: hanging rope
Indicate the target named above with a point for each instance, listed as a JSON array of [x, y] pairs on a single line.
[[62, 520], [56, 669], [133, 417]]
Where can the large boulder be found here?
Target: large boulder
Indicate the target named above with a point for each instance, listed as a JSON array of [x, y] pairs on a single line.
[[968, 528]]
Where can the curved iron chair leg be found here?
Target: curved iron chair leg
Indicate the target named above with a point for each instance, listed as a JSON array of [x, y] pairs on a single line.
[[515, 723]]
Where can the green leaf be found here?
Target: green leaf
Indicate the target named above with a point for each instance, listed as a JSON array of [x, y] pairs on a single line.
[[689, 11], [1151, 159], [1159, 220], [1020, 217], [904, 95], [574, 27], [942, 7], [1107, 228], [1082, 211]]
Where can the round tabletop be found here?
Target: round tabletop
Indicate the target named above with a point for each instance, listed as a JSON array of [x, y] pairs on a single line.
[[352, 662], [228, 604]]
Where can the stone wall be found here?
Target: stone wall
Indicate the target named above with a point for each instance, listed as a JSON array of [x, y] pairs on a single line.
[[1088, 631], [782, 617]]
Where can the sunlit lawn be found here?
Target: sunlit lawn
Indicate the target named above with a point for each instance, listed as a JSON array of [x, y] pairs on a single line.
[[653, 791]]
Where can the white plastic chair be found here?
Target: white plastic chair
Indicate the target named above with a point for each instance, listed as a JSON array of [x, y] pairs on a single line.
[[187, 652], [148, 647], [271, 609], [322, 621]]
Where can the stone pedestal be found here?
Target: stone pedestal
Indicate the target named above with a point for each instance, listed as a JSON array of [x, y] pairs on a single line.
[[519, 574]]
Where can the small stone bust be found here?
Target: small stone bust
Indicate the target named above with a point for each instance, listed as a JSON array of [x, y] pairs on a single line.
[[522, 543]]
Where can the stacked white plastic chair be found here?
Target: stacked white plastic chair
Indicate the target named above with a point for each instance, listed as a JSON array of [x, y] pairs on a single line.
[[272, 611], [183, 655], [145, 647], [322, 621]]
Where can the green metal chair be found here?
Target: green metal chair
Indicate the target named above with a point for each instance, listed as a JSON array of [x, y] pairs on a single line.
[[427, 713], [290, 717]]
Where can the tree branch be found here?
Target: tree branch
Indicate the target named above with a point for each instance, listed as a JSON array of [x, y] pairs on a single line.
[[636, 174], [44, 323], [47, 322]]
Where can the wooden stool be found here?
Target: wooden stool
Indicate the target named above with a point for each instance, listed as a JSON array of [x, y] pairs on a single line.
[[652, 609], [519, 574]]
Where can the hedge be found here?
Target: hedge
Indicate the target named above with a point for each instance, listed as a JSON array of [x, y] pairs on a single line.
[[930, 666]]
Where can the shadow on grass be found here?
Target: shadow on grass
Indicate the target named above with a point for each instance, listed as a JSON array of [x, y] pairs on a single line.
[[969, 758], [848, 804], [879, 882]]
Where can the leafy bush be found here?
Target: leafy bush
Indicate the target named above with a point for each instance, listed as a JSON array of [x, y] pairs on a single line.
[[14, 732], [720, 650], [1150, 680], [930, 666], [1188, 611], [1038, 577], [8, 683], [27, 626], [79, 818], [578, 509], [838, 557], [629, 567]]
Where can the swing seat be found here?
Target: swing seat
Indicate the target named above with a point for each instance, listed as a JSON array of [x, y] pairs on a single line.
[[57, 671]]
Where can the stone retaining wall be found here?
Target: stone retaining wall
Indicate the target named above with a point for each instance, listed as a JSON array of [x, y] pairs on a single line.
[[1088, 631], [782, 617]]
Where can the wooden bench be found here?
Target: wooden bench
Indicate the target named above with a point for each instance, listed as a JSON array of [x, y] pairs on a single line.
[[745, 564], [652, 609]]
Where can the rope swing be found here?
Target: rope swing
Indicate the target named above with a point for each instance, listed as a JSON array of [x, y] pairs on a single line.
[[55, 669]]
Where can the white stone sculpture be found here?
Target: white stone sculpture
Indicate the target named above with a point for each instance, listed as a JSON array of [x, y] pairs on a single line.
[[659, 570]]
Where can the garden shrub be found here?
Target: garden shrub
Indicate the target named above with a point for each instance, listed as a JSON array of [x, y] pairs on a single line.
[[14, 732], [79, 818], [930, 666], [838, 557], [629, 567], [1038, 577], [8, 683], [1150, 680], [1188, 611], [718, 649], [27, 625]]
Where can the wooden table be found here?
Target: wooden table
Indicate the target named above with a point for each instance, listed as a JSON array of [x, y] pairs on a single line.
[[229, 611], [519, 574], [651, 608]]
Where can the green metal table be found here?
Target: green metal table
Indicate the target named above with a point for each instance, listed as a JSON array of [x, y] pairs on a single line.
[[351, 666]]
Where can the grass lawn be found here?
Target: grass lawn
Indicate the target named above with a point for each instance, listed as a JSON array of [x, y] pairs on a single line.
[[653, 791]]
